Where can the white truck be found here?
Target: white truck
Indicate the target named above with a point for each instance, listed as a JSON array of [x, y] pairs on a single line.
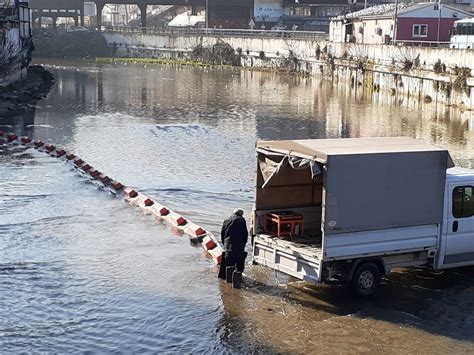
[[369, 205], [463, 34]]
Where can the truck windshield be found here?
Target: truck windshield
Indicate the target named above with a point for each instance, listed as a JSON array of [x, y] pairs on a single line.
[[465, 29]]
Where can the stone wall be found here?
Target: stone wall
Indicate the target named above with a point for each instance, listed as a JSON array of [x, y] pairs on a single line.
[[427, 74]]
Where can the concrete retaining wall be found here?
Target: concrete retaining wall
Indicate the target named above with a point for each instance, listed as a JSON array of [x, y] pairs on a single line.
[[405, 72]]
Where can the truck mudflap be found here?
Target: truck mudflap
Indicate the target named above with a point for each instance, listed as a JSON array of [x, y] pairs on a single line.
[[300, 261]]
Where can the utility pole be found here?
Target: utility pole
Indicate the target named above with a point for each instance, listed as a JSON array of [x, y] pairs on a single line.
[[207, 13], [395, 22], [439, 20]]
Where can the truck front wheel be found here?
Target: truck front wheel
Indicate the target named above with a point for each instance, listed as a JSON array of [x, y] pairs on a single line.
[[366, 279]]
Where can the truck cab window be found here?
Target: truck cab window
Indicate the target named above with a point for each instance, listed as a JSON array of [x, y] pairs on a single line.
[[463, 202]]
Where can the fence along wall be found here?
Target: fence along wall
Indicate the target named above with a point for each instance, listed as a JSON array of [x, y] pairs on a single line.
[[429, 74]]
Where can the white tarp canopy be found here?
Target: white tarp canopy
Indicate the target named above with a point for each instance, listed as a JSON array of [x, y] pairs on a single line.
[[187, 20]]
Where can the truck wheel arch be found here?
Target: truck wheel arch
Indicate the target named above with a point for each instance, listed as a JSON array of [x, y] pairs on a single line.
[[377, 261]]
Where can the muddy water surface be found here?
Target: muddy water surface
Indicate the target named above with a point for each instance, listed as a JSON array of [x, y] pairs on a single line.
[[81, 271]]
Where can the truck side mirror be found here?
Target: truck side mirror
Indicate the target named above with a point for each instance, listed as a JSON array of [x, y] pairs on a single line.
[[455, 226]]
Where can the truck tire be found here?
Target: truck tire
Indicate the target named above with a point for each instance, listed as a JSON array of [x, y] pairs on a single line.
[[366, 279]]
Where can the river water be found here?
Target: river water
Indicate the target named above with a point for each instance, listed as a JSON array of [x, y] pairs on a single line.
[[81, 271]]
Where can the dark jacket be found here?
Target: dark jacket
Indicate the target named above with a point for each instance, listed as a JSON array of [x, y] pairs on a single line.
[[234, 234]]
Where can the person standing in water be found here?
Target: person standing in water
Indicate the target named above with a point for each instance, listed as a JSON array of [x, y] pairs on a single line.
[[234, 236]]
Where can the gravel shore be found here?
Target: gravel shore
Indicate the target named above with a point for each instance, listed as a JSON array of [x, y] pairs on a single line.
[[26, 93]]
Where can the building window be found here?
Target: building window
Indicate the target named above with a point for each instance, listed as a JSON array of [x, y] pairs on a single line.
[[463, 202], [420, 30]]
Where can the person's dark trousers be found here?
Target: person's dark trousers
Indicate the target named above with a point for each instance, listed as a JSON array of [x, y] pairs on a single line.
[[229, 259], [236, 260]]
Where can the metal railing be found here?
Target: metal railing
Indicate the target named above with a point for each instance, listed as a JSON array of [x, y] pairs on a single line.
[[412, 43], [311, 35], [452, 45]]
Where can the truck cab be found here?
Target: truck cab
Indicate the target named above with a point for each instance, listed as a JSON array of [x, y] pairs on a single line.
[[457, 237], [353, 209]]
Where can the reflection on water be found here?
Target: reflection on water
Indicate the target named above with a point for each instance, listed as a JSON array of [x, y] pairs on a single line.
[[79, 270], [265, 106], [19, 122]]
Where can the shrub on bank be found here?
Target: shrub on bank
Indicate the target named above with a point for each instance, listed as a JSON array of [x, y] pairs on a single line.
[[220, 53]]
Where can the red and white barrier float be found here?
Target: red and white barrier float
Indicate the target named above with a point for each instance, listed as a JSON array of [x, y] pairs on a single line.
[[133, 197]]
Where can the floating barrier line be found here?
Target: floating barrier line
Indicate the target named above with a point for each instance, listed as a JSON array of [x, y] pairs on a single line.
[[146, 204]]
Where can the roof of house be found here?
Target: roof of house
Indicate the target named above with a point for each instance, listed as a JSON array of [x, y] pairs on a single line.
[[466, 20], [387, 10], [425, 4], [371, 11]]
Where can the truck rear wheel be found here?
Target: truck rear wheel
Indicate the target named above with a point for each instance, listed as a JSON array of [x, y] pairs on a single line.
[[366, 279]]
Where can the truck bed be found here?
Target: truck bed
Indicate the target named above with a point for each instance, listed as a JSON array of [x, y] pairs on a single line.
[[300, 258], [303, 257]]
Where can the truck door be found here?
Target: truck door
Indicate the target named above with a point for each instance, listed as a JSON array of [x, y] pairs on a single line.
[[460, 228]]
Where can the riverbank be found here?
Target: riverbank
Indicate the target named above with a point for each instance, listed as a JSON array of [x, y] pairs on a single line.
[[192, 63], [159, 61], [426, 75], [437, 76], [25, 93]]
